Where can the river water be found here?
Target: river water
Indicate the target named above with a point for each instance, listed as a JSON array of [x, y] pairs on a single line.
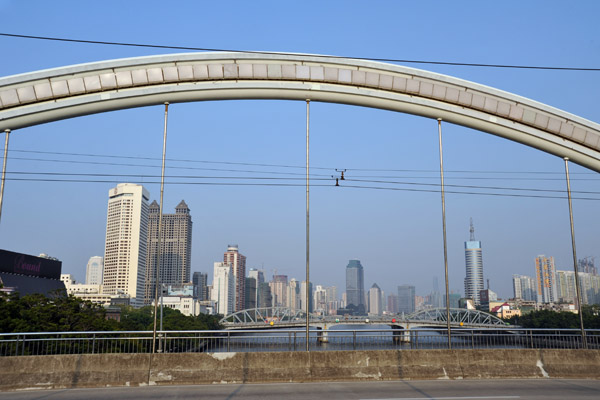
[[352, 337]]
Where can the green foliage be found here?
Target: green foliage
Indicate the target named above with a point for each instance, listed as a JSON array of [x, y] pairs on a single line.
[[143, 319], [559, 320], [60, 313], [56, 313]]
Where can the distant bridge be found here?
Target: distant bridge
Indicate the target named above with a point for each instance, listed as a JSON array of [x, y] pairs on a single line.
[[281, 317]]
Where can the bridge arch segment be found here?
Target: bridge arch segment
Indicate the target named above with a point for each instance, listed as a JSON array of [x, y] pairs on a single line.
[[266, 315], [457, 316], [49, 95]]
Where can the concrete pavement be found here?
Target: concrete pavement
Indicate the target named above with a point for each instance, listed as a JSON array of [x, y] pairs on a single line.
[[504, 389]]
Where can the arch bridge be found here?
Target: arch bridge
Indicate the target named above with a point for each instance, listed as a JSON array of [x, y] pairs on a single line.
[[285, 318], [66, 92]]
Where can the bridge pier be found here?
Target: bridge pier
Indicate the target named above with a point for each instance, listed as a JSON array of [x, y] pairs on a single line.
[[400, 334], [322, 336]]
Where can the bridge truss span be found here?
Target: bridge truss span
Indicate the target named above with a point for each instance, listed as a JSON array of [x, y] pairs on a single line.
[[281, 317], [267, 315], [458, 316]]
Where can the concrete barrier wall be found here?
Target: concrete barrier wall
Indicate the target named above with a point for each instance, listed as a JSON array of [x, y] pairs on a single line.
[[95, 370]]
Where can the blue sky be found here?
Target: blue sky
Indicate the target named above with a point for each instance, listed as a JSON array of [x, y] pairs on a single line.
[[396, 234]]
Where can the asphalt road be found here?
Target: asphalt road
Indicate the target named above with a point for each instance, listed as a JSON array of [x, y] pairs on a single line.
[[389, 390]]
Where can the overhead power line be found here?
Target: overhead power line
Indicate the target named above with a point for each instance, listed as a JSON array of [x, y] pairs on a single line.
[[281, 184], [314, 185], [172, 47], [176, 167], [331, 179], [183, 160]]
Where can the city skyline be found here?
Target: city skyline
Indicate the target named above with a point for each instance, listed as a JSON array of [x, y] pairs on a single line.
[[397, 234]]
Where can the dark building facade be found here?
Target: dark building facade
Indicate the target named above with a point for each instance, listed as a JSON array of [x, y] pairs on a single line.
[[176, 248], [26, 274], [355, 287]]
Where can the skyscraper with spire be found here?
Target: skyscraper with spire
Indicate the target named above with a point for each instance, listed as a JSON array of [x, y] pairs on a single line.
[[175, 245], [474, 267]]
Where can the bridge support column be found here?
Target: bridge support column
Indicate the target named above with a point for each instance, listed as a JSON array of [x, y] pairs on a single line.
[[322, 336], [400, 334]]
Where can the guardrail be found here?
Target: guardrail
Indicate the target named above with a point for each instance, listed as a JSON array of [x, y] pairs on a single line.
[[52, 343]]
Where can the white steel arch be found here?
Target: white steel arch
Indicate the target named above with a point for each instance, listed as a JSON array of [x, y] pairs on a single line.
[[44, 96]]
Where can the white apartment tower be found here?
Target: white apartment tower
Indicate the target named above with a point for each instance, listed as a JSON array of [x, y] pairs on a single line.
[[524, 288], [238, 263], [175, 245], [279, 286], [94, 271], [126, 239], [293, 294], [223, 288], [474, 267], [375, 304]]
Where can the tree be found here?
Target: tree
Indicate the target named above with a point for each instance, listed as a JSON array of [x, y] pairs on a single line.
[[559, 320], [60, 313], [55, 313]]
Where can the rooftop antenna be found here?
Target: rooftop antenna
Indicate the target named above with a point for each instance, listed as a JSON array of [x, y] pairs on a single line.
[[472, 230]]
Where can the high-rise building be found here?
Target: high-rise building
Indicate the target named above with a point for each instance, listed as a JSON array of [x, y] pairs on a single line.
[[238, 262], [588, 266], [320, 300], [200, 281], [524, 288], [355, 288], [265, 298], [454, 300], [406, 299], [293, 295], [279, 290], [259, 276], [545, 274], [223, 288], [375, 306], [589, 285], [474, 267], [333, 304], [94, 271], [392, 304], [126, 241], [435, 298], [175, 247], [251, 294], [303, 296]]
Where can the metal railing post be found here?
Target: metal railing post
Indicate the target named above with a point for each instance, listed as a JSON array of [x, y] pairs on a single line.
[[228, 341], [531, 338], [353, 340]]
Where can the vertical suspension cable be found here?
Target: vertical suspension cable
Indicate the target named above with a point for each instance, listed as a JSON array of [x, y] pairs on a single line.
[[158, 252], [307, 291], [577, 286], [7, 133], [444, 232]]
